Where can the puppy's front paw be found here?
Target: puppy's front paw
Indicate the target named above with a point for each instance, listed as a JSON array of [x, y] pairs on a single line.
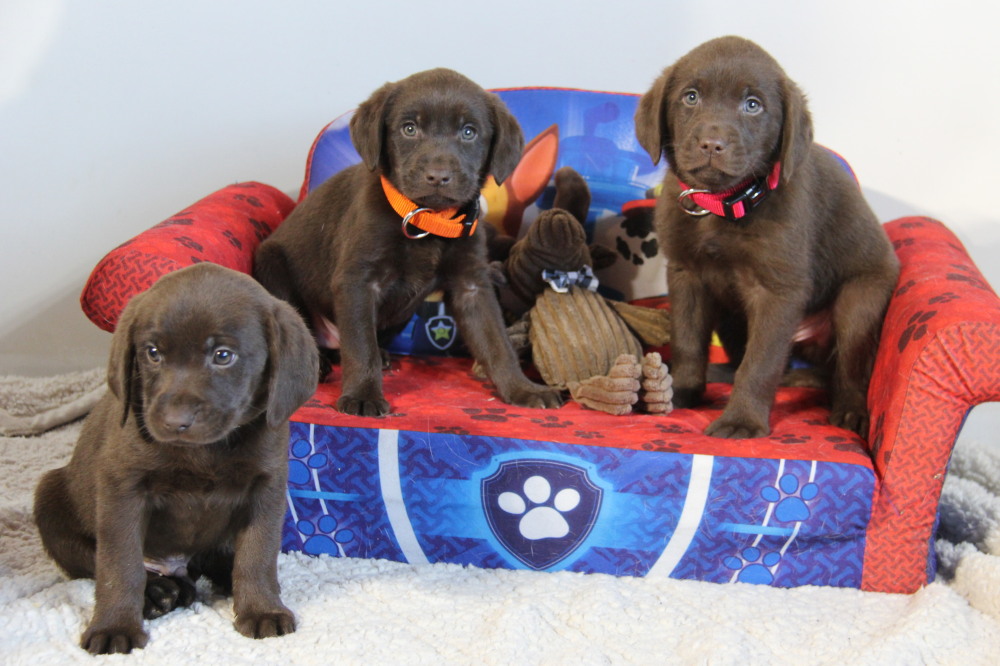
[[165, 593], [535, 395], [362, 406], [265, 625], [113, 640], [736, 428], [738, 423]]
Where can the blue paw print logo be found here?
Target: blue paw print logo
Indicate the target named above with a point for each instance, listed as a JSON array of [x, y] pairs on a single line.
[[790, 499], [322, 534], [754, 565], [299, 469], [323, 537]]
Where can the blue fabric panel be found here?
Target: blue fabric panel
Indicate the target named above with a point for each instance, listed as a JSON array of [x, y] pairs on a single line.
[[500, 502]]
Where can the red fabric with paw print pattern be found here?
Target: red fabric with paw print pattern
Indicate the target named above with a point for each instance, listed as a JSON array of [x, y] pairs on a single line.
[[939, 356], [225, 228]]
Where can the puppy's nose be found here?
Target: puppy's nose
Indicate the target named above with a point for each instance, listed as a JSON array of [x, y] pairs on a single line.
[[438, 177], [713, 145], [178, 419]]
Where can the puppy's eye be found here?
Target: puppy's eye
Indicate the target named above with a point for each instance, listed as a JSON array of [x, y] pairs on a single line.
[[690, 97], [409, 129], [153, 354], [752, 106], [469, 133], [223, 356]]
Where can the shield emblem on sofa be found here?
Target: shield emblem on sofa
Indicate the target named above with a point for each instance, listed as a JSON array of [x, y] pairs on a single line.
[[541, 511], [441, 329]]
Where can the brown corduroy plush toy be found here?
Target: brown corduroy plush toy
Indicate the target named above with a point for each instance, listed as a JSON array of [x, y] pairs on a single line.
[[579, 340]]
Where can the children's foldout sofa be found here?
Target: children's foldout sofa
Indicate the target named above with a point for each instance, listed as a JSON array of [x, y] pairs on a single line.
[[455, 475]]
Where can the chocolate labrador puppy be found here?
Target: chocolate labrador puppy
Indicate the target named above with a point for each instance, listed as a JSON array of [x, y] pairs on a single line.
[[365, 248], [762, 229], [181, 468]]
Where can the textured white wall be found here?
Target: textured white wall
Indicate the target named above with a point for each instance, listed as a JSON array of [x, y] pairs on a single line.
[[114, 115]]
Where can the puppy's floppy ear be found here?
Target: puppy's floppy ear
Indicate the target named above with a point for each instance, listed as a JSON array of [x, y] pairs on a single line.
[[122, 368], [508, 141], [651, 126], [293, 363], [796, 129], [367, 126]]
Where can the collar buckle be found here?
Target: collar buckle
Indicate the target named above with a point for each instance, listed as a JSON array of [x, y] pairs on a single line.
[[740, 204], [470, 219], [407, 224]]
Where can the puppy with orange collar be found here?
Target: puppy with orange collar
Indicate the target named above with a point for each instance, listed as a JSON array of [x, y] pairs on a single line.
[[365, 248]]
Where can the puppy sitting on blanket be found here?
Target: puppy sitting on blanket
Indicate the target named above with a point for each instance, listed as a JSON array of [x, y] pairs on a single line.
[[364, 249], [762, 230], [181, 468]]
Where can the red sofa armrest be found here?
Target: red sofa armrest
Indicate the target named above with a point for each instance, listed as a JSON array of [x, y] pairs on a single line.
[[224, 228], [939, 356]]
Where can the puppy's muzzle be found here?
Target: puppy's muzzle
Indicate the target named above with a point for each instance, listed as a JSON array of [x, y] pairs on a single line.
[[184, 416], [176, 416]]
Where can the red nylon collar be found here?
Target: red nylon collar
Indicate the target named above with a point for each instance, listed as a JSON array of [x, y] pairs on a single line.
[[447, 223], [734, 203]]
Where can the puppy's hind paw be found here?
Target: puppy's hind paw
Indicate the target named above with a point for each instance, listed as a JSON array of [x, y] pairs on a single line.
[[165, 593], [266, 625], [856, 421], [850, 411], [685, 398]]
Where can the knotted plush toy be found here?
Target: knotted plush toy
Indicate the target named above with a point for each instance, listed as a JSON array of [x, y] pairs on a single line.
[[579, 340]]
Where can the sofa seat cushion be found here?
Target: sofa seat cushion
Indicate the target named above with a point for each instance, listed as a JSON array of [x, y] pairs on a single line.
[[455, 475]]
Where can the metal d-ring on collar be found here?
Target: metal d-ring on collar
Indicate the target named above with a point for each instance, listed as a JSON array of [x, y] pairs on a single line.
[[406, 223], [697, 211]]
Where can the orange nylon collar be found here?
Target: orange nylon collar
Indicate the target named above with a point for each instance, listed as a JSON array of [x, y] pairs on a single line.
[[447, 223]]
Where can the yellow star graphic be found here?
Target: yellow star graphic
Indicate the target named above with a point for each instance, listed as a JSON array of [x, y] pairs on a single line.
[[442, 332]]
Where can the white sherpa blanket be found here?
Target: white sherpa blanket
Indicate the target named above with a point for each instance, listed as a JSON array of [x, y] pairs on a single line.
[[376, 612]]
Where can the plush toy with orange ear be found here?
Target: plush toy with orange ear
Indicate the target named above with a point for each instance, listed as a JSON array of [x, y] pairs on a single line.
[[505, 204]]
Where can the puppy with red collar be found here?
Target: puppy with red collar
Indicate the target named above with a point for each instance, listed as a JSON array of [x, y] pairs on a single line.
[[762, 229]]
